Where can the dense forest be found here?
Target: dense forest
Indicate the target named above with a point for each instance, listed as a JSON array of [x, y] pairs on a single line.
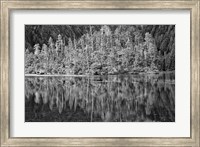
[[99, 49]]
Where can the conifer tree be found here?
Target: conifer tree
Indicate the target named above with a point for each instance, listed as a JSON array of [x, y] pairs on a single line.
[[37, 49]]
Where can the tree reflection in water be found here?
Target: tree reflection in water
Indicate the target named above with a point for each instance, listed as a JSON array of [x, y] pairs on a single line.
[[138, 98]]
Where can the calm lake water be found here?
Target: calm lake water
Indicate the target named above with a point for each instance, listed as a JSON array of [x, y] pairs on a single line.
[[138, 98]]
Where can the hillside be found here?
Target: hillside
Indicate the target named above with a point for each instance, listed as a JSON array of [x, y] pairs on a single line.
[[98, 50]]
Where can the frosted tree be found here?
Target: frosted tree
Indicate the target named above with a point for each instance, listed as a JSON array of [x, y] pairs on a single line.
[[138, 37], [45, 49], [150, 51], [51, 45], [36, 49], [59, 45], [45, 57]]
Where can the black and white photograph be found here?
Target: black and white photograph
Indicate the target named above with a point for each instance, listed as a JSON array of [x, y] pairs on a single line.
[[99, 73]]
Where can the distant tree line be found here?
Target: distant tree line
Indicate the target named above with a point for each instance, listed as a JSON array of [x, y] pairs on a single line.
[[99, 50]]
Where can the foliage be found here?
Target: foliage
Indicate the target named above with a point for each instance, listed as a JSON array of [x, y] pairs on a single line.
[[99, 50]]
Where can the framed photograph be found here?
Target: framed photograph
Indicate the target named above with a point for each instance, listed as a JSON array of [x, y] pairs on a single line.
[[100, 73]]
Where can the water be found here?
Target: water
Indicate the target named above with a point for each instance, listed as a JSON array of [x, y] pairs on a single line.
[[139, 98]]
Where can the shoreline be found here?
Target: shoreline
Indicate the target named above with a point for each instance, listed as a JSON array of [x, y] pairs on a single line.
[[37, 75], [59, 75]]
